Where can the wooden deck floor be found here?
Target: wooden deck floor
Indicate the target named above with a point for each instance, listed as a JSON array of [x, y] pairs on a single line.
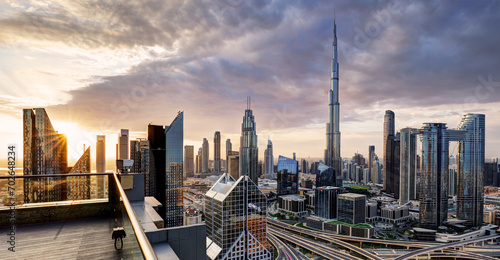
[[75, 239]]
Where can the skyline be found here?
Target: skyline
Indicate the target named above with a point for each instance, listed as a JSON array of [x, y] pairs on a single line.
[[433, 69]]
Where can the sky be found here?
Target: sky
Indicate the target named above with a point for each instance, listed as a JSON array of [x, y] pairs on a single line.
[[99, 66]]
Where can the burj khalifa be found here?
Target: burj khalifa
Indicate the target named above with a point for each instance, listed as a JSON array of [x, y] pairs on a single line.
[[332, 151]]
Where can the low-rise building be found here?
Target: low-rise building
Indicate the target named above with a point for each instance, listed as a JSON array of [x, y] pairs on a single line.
[[294, 204], [395, 213], [484, 231]]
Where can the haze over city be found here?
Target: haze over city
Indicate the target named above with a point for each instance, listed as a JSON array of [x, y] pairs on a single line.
[[97, 69]]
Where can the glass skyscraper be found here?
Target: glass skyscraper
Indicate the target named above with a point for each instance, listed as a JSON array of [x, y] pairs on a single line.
[[326, 176], [45, 152], [236, 222], [287, 176], [470, 169], [269, 161], [217, 161], [332, 151], [325, 201], [249, 152], [435, 139], [391, 155], [407, 183], [174, 145]]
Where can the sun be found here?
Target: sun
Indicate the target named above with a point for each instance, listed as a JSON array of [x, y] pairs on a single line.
[[77, 137]]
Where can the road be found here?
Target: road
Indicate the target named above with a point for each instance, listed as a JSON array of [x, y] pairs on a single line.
[[329, 238], [285, 252], [310, 244], [445, 246]]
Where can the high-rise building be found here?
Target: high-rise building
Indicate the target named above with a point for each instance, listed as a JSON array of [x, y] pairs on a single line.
[[287, 176], [229, 148], [78, 187], [249, 152], [122, 146], [139, 153], [470, 169], [233, 164], [269, 161], [408, 157], [204, 158], [325, 201], [235, 216], [391, 155], [217, 160], [305, 166], [45, 152], [157, 164], [100, 153], [199, 159], [371, 157], [433, 193], [351, 208], [326, 176], [490, 177], [100, 149], [188, 161], [174, 200], [332, 152]]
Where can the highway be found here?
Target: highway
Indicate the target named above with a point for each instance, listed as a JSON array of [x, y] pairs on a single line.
[[333, 238], [445, 246], [334, 241], [310, 244], [285, 252]]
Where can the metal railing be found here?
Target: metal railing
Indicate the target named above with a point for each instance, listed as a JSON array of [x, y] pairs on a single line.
[[147, 250]]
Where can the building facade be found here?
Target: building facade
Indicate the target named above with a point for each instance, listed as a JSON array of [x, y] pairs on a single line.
[[326, 176], [45, 152], [408, 169], [287, 176], [391, 162], [351, 208], [174, 200], [217, 160], [325, 202], [332, 151], [122, 152], [100, 156], [236, 222], [249, 152], [188, 161], [205, 154], [78, 187], [269, 161], [471, 151]]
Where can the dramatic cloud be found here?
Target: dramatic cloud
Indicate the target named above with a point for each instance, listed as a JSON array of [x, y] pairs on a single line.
[[142, 61]]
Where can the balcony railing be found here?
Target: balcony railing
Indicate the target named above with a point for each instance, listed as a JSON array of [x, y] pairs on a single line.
[[61, 197]]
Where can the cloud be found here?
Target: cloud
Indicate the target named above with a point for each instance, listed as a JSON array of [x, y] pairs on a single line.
[[392, 54]]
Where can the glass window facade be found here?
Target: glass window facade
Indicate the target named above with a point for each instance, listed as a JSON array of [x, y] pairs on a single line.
[[287, 176], [174, 146]]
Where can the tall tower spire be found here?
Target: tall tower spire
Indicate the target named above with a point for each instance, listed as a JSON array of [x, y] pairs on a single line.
[[332, 151]]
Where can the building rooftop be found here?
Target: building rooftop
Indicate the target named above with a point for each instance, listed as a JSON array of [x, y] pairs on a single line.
[[293, 197], [352, 195]]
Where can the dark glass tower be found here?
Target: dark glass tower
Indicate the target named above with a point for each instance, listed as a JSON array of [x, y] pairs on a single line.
[[249, 152], [174, 140], [470, 169], [217, 161], [332, 151], [157, 163], [287, 176]]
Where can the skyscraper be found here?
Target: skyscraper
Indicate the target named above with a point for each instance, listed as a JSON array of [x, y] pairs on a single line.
[[100, 149], [122, 146], [217, 161], [100, 153], [139, 152], [229, 148], [174, 138], [78, 187], [325, 201], [188, 161], [269, 161], [371, 158], [326, 176], [407, 183], [235, 215], [434, 173], [204, 158], [249, 152], [391, 155], [470, 169], [332, 152], [199, 159], [44, 153], [287, 176], [157, 164]]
